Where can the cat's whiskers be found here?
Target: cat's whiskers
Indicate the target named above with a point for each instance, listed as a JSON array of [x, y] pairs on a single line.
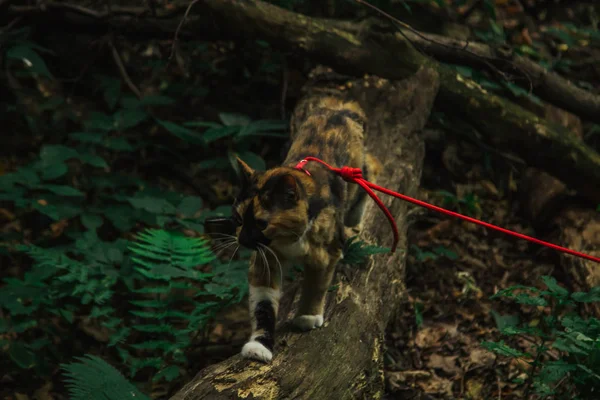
[[221, 248], [224, 244], [278, 263], [219, 234], [265, 264], [233, 255]]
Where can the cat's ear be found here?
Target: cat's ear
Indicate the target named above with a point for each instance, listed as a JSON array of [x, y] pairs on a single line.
[[286, 191], [245, 171]]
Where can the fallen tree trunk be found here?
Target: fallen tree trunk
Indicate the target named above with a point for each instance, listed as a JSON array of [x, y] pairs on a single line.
[[345, 358], [501, 123]]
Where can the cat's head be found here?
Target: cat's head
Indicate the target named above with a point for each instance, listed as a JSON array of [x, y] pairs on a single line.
[[271, 208]]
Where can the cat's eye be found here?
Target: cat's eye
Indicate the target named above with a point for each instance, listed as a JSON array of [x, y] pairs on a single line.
[[262, 224]]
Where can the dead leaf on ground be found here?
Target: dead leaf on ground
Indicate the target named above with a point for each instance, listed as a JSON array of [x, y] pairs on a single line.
[[445, 363], [397, 379], [432, 335], [436, 385], [43, 393], [474, 387], [490, 187], [481, 357]]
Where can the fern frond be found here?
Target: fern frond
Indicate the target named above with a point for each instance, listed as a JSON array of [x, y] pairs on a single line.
[[163, 255], [356, 251], [94, 379]]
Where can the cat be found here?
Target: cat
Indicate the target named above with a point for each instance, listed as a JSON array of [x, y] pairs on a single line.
[[299, 215]]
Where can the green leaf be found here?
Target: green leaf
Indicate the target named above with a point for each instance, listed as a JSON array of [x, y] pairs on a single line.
[[213, 134], [157, 100], [234, 119], [253, 160], [99, 121], [62, 190], [21, 355], [190, 205], [53, 154], [153, 205], [119, 336], [265, 128], [520, 92], [91, 221], [185, 134], [169, 374], [54, 171], [502, 349], [587, 297], [554, 287], [31, 59], [443, 251], [490, 7], [121, 217], [505, 321], [128, 118], [93, 160], [524, 298], [589, 371], [356, 251], [68, 315], [92, 378], [202, 124], [214, 163]]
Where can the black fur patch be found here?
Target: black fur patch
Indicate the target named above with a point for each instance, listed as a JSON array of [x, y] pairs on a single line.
[[251, 235], [277, 194], [315, 206], [339, 119], [336, 185], [265, 320]]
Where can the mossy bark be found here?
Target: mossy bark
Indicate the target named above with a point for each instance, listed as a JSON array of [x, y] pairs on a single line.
[[344, 359]]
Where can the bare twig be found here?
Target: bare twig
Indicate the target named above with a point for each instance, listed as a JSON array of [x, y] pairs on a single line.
[[464, 48], [123, 71], [10, 25], [176, 38]]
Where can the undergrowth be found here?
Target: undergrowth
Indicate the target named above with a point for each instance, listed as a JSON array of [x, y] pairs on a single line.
[[565, 355]]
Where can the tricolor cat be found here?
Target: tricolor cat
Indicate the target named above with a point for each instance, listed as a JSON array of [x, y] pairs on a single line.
[[290, 216]]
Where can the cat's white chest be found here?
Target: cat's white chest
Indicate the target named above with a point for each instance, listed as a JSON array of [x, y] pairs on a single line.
[[294, 250]]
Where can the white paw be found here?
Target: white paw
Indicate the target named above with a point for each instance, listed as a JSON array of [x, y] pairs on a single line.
[[256, 351], [308, 322]]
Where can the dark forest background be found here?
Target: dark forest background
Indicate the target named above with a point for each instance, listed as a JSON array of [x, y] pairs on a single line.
[[119, 136]]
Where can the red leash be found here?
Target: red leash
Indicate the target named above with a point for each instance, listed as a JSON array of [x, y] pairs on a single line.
[[354, 175]]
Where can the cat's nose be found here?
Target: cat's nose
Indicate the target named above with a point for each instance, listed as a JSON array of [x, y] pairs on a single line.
[[247, 240]]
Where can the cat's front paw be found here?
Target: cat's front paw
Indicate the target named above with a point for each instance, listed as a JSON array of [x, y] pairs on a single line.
[[256, 351], [308, 322]]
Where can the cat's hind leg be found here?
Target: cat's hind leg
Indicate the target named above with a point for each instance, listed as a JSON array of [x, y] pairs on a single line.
[[317, 280]]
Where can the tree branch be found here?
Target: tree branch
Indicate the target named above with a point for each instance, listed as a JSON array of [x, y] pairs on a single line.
[[389, 55]]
